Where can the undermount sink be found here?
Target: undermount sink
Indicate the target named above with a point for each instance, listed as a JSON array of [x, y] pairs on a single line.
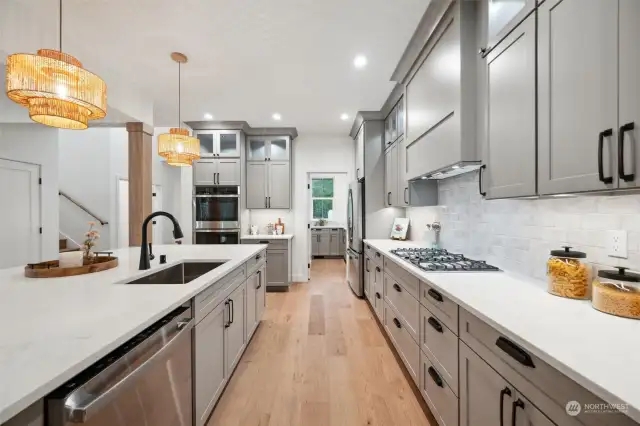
[[182, 273]]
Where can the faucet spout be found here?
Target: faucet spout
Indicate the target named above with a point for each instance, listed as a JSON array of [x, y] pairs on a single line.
[[144, 250]]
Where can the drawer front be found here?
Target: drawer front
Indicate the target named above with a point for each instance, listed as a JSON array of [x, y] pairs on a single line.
[[441, 345], [404, 303], [445, 308], [203, 302], [436, 392], [545, 386], [374, 255], [256, 262], [405, 345], [410, 283], [273, 244]]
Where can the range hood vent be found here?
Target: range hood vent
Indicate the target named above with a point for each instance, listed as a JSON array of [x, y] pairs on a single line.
[[452, 170]]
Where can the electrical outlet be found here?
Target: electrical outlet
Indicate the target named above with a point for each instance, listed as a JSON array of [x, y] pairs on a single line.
[[617, 244]]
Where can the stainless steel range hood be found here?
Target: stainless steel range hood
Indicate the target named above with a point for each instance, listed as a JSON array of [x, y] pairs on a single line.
[[452, 170]]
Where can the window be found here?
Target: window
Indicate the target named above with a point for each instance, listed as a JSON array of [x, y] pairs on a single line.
[[322, 198]]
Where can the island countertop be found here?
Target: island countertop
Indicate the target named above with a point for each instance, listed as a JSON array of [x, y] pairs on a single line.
[[596, 350], [267, 237], [55, 328]]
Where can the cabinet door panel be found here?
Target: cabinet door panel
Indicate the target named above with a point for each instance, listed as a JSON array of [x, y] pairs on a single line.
[[257, 149], [210, 368], [360, 155], [389, 181], [278, 149], [575, 106], [510, 151], [204, 172], [235, 335], [261, 294], [400, 117], [207, 143], [528, 415], [403, 183], [277, 267], [629, 88], [324, 247], [256, 185], [367, 280], [229, 172], [279, 185], [334, 244], [481, 391], [228, 144], [251, 304]]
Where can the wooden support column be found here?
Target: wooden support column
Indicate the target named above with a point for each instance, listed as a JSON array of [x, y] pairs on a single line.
[[140, 180]]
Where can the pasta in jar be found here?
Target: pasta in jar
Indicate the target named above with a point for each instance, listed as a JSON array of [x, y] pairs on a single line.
[[617, 293], [568, 275]]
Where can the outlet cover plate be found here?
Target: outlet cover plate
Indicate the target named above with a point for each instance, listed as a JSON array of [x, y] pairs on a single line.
[[617, 244]]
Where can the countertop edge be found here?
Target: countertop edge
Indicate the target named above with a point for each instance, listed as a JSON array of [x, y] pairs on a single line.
[[567, 370]]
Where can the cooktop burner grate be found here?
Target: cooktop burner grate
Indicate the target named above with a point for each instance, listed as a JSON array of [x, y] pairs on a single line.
[[440, 260]]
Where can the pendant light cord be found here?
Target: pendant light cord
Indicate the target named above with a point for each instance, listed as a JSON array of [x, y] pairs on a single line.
[[60, 25], [179, 97]]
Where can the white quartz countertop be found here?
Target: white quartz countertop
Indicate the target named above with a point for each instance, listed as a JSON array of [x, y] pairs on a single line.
[[267, 237], [597, 350], [54, 328], [328, 226]]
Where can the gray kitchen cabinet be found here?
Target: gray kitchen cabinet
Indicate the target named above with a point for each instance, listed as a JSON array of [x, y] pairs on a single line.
[[324, 247], [207, 142], [334, 242], [256, 301], [510, 147], [261, 294], [527, 414], [577, 109], [378, 290], [502, 16], [401, 118], [256, 185], [235, 335], [315, 243], [343, 242], [391, 176], [211, 373], [484, 395], [277, 268], [279, 184], [629, 90], [368, 291], [394, 124], [269, 148], [219, 143], [223, 171], [403, 182], [360, 154]]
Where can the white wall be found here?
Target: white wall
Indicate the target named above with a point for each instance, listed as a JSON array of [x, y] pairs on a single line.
[[518, 234], [37, 144]]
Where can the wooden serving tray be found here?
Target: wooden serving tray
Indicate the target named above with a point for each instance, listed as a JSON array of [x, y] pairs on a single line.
[[51, 269]]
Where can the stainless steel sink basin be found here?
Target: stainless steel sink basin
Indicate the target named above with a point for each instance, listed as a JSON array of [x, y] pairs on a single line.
[[181, 273]]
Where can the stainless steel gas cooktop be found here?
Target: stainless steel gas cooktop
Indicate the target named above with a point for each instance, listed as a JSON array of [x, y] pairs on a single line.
[[440, 260]]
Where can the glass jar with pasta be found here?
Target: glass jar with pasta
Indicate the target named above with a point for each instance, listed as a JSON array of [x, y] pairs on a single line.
[[617, 293], [568, 274]]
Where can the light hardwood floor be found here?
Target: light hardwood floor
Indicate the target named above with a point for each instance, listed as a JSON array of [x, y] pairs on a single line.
[[319, 358]]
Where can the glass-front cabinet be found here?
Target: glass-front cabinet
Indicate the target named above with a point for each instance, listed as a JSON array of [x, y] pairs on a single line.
[[502, 16], [219, 143], [272, 148]]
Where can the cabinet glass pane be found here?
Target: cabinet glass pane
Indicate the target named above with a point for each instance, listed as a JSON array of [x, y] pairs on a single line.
[[321, 208], [279, 149], [228, 144], [501, 12], [257, 149], [206, 144]]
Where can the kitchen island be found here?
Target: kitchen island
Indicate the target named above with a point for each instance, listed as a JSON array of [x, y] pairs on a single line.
[[55, 328], [455, 330]]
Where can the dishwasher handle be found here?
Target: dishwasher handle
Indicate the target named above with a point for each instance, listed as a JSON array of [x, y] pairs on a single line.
[[81, 413]]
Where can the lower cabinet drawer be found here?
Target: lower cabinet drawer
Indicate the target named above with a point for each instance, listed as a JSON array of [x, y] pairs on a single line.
[[405, 345], [203, 302], [441, 345], [445, 308], [404, 303], [436, 392], [256, 262], [410, 283]]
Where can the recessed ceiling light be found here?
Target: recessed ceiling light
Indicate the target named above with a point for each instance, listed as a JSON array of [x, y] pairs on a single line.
[[360, 61], [276, 116], [344, 117], [208, 116]]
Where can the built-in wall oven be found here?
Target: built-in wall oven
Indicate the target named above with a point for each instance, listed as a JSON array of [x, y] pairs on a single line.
[[216, 215]]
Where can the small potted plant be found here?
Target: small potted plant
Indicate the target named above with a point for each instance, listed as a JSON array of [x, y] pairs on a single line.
[[90, 241]]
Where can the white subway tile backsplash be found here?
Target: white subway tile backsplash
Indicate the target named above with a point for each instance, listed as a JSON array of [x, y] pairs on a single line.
[[518, 234]]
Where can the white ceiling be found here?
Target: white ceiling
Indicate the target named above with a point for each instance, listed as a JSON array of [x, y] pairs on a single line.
[[247, 58]]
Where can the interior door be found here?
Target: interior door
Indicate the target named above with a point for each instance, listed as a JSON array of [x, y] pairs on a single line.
[[204, 172], [256, 185], [228, 171], [20, 223], [575, 107], [279, 185]]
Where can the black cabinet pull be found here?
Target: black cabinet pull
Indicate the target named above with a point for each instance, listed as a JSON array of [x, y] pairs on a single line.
[[515, 351], [358, 173], [378, 268], [258, 256], [435, 324], [405, 196], [435, 376], [397, 323], [366, 265], [269, 202], [264, 242], [623, 129], [233, 311], [607, 133], [514, 410], [378, 295], [389, 198], [265, 201], [434, 294], [397, 288], [229, 314], [377, 254], [484, 166], [503, 392]]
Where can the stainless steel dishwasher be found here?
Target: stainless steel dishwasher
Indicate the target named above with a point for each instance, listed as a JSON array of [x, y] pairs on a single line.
[[146, 381]]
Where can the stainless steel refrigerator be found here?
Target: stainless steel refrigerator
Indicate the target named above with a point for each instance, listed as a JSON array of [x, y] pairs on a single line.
[[355, 233]]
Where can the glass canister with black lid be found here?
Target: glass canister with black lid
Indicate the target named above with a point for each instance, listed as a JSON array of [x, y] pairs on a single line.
[[617, 293], [569, 274]]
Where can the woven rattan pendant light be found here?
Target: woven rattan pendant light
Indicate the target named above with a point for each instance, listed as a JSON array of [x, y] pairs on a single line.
[[55, 88], [178, 146]]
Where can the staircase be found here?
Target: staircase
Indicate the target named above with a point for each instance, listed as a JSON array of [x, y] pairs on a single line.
[[63, 248]]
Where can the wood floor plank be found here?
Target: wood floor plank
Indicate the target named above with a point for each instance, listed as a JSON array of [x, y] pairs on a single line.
[[319, 358]]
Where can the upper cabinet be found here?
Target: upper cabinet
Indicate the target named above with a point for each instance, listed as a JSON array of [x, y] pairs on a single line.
[[502, 16], [360, 154], [510, 114], [440, 96], [269, 148], [394, 124], [219, 143]]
